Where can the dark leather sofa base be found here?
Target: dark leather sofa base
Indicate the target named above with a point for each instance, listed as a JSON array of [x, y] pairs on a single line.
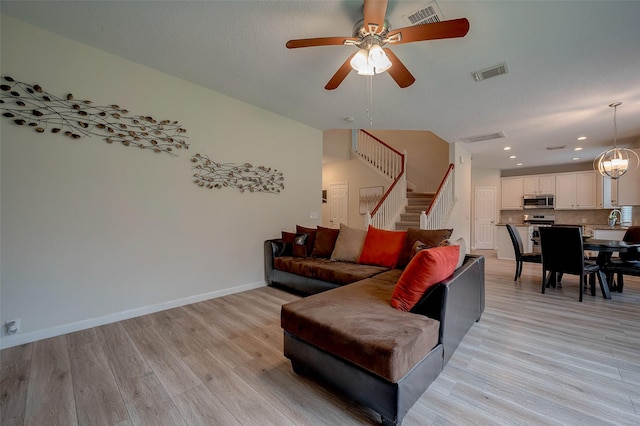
[[391, 400]]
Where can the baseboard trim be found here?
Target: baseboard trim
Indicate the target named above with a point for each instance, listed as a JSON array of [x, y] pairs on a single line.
[[23, 338]]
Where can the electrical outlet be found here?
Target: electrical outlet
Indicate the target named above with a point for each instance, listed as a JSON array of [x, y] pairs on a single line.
[[584, 220], [12, 327]]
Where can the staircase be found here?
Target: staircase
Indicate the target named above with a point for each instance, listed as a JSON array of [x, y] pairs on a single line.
[[416, 204], [392, 164]]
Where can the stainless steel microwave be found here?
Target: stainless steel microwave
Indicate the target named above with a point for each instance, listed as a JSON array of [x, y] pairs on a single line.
[[539, 201]]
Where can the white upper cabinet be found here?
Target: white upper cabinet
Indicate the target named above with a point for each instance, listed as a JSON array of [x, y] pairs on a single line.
[[542, 184], [576, 190], [629, 188], [512, 192]]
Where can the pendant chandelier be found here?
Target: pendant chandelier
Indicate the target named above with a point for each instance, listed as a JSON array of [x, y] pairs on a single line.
[[616, 162]]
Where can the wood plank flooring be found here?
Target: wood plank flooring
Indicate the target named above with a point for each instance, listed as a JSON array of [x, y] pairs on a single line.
[[533, 358]]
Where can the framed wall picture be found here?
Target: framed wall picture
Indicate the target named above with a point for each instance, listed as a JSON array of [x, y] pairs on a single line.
[[369, 198]]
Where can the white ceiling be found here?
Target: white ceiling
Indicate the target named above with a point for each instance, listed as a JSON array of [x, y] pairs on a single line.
[[568, 60]]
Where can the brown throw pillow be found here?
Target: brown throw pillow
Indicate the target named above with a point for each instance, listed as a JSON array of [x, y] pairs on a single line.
[[311, 239], [325, 242], [294, 244], [429, 237], [417, 246]]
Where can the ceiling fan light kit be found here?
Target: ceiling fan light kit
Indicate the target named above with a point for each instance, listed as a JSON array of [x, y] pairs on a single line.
[[373, 61], [616, 162], [371, 34]]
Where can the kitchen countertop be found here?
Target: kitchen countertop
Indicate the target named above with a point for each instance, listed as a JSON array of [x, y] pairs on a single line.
[[596, 226]]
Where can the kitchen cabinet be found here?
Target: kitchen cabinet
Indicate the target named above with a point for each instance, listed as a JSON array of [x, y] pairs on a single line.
[[629, 188], [607, 192], [624, 191], [541, 184], [512, 192], [505, 246], [576, 190]]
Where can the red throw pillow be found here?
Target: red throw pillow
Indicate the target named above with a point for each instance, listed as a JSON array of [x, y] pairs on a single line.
[[426, 269], [381, 247]]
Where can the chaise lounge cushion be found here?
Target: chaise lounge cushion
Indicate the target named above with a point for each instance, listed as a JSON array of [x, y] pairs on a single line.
[[357, 323], [326, 270]]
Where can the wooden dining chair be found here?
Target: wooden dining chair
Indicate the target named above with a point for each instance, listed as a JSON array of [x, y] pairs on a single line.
[[518, 249], [628, 263], [563, 253]]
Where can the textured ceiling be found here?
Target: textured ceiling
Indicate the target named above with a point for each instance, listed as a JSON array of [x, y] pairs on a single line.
[[567, 60]]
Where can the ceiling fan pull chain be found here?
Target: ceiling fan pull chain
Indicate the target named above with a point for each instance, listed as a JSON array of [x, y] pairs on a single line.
[[370, 99]]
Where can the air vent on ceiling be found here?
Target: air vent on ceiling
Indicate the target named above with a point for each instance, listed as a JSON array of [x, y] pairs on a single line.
[[490, 72], [425, 15], [554, 148], [481, 138]]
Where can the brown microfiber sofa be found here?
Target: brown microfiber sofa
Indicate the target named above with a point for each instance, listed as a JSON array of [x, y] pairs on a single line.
[[351, 338], [323, 268]]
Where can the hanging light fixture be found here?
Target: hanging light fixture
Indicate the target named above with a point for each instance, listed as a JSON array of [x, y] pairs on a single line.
[[370, 60], [616, 162]]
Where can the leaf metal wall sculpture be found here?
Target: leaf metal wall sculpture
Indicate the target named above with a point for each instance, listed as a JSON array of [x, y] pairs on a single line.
[[30, 106], [245, 177]]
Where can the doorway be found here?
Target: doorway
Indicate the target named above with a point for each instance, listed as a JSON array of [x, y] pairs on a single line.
[[338, 204], [485, 220]]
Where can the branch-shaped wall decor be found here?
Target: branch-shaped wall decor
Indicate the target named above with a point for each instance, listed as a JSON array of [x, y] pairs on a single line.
[[245, 177], [30, 106]]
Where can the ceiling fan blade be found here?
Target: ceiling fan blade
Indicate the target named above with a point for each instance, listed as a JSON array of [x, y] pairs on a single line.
[[374, 12], [340, 75], [398, 71], [320, 41], [438, 30]]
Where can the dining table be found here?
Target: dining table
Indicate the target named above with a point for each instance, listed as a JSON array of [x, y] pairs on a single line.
[[605, 249]]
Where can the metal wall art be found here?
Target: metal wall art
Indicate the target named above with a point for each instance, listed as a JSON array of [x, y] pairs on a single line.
[[245, 177], [30, 106]]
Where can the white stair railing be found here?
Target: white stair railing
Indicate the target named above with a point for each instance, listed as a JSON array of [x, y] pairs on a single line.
[[438, 213], [390, 163]]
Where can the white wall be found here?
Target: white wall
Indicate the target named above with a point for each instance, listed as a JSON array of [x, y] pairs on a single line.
[[426, 152], [460, 218], [93, 233]]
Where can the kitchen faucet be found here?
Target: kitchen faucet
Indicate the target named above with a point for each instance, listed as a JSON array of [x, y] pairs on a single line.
[[613, 216]]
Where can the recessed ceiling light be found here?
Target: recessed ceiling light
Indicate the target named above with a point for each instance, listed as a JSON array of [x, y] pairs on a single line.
[[519, 164], [577, 148], [581, 138], [507, 148], [512, 156], [348, 119], [575, 158]]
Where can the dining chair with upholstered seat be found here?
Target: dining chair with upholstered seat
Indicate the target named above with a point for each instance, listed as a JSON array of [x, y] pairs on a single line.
[[628, 263], [521, 256], [563, 253]]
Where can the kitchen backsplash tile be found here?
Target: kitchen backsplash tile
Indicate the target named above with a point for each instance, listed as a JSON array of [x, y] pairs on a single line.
[[577, 217]]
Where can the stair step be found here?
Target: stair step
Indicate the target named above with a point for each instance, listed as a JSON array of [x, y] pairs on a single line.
[[403, 226], [415, 209], [420, 194], [410, 217]]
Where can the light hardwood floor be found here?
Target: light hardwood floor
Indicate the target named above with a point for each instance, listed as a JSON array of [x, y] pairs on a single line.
[[532, 359]]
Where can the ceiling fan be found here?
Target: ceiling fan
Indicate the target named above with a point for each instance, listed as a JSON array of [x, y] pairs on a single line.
[[371, 34]]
